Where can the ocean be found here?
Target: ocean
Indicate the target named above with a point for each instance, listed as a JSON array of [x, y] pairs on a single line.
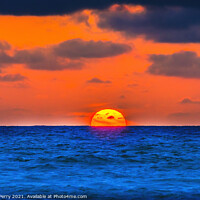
[[138, 162]]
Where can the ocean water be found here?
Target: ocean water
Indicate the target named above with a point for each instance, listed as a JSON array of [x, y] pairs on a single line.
[[102, 163]]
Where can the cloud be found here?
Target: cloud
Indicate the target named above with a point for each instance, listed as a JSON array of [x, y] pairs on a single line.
[[39, 59], [65, 55], [4, 45], [164, 24], [189, 101], [5, 59], [77, 48], [44, 59], [12, 78], [81, 18], [61, 7], [97, 80], [185, 64]]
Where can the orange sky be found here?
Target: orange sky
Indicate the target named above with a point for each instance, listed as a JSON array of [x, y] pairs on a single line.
[[66, 97]]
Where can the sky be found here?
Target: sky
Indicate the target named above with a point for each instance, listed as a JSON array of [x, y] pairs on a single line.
[[62, 61]]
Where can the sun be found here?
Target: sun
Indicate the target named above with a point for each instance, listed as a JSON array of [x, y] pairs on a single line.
[[108, 117]]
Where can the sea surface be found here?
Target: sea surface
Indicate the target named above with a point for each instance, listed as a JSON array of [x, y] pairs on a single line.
[[102, 163]]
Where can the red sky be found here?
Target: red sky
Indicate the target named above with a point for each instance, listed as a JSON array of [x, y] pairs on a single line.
[[94, 69]]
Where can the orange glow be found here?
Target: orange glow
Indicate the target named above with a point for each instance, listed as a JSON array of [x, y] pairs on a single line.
[[129, 8], [108, 117], [65, 97]]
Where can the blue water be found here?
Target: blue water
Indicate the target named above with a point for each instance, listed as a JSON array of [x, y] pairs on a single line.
[[102, 163]]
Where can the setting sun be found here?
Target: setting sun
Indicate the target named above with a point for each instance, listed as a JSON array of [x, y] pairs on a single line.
[[108, 117]]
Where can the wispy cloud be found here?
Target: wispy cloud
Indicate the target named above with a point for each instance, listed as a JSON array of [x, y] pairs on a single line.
[[12, 78]]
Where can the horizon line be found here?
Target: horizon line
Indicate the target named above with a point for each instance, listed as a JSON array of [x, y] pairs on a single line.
[[98, 126]]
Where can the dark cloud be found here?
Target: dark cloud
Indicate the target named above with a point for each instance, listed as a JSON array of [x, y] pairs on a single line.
[[4, 45], [5, 59], [77, 48], [184, 64], [49, 7], [12, 78], [189, 101], [97, 80], [61, 7], [29, 56], [66, 55], [169, 24], [40, 59]]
